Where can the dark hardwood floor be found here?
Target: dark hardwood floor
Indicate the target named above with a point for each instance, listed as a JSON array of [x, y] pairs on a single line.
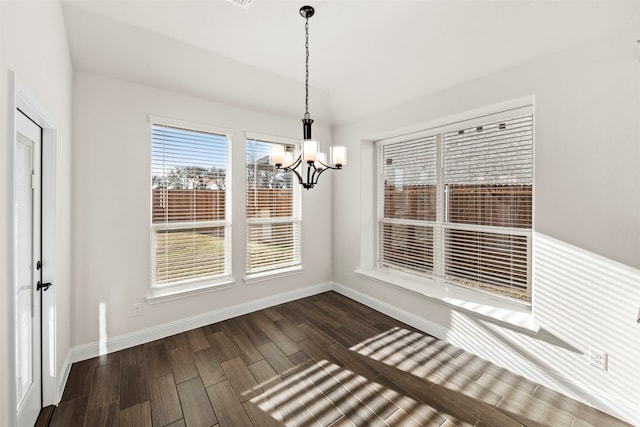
[[320, 361]]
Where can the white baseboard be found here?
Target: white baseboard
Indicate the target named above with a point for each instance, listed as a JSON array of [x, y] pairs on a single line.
[[410, 319], [94, 349], [527, 370]]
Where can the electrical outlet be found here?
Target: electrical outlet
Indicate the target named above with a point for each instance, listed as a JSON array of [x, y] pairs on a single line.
[[598, 359], [137, 310]]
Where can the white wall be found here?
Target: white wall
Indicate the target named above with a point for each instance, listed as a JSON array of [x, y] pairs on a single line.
[[586, 218], [34, 45], [111, 207]]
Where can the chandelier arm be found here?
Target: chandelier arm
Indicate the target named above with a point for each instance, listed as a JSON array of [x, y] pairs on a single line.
[[293, 165], [292, 168], [325, 166], [318, 173], [300, 181]]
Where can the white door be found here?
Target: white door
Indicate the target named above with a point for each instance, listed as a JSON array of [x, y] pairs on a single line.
[[26, 233]]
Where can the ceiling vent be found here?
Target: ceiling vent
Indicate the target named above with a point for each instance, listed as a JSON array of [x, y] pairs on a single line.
[[245, 4]]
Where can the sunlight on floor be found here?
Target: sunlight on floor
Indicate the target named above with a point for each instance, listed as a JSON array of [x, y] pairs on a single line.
[[323, 392], [421, 381]]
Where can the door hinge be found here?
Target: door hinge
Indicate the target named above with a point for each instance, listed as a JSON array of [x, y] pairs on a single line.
[[33, 181]]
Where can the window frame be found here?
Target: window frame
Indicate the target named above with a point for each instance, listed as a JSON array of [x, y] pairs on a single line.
[[275, 270], [438, 129], [174, 289]]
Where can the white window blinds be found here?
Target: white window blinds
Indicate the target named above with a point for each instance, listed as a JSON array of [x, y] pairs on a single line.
[[273, 211], [488, 176], [409, 206], [190, 205], [464, 215]]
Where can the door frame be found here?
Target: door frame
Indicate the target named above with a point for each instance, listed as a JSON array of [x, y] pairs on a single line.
[[23, 98]]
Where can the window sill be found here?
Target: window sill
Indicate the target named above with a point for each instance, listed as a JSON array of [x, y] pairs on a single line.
[[272, 274], [159, 295], [497, 310]]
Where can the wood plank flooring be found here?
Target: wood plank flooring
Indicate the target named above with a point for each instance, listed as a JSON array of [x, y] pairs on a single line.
[[320, 361]]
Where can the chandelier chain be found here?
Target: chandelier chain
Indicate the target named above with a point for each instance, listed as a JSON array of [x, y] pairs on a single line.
[[306, 65]]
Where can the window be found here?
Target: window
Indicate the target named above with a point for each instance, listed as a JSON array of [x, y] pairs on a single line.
[[190, 203], [456, 204], [409, 205], [273, 210]]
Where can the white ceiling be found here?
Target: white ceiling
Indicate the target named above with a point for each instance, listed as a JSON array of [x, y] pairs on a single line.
[[366, 56]]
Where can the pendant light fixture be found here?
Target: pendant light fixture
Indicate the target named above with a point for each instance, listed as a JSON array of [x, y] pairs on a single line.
[[310, 156]]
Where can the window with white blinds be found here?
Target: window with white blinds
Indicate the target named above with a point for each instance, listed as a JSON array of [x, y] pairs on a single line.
[[458, 205], [273, 211], [409, 205], [191, 204]]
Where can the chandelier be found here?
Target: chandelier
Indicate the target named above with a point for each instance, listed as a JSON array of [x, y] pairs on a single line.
[[311, 156]]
